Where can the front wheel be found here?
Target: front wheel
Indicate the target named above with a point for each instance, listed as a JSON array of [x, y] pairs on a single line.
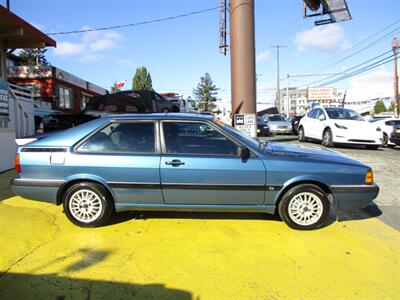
[[304, 207], [302, 137], [88, 204], [327, 139]]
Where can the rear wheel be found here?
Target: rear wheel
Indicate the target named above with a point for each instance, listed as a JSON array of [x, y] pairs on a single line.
[[327, 138], [302, 138], [165, 110], [88, 204], [304, 207]]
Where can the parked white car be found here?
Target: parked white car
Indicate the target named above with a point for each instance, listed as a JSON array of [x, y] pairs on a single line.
[[339, 126], [386, 124]]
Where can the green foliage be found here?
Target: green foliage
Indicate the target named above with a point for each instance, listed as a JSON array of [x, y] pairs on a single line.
[[33, 57], [379, 107], [205, 93], [142, 80]]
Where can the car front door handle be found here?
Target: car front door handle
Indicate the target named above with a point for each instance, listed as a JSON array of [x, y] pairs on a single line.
[[175, 163]]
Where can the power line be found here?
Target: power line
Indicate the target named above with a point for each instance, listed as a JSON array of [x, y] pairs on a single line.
[[318, 67], [362, 49], [197, 12], [352, 68], [365, 69]]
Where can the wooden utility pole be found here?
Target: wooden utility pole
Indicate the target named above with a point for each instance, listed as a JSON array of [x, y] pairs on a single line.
[[242, 46], [395, 47]]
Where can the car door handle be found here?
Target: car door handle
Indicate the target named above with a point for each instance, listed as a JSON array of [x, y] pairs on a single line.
[[175, 163]]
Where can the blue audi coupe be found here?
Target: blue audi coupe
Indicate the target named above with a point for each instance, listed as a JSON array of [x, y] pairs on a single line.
[[186, 162]]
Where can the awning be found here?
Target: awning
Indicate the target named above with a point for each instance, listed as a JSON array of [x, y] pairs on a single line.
[[17, 33]]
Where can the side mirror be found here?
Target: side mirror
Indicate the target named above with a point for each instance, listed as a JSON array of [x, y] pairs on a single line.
[[244, 153], [321, 117]]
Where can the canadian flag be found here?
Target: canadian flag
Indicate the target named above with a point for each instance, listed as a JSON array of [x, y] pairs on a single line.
[[120, 84]]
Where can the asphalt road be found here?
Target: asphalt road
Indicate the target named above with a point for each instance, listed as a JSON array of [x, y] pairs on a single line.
[[385, 163]]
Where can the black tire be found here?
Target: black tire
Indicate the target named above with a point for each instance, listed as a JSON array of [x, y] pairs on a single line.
[[391, 146], [165, 110], [298, 191], [372, 147], [302, 137], [327, 138], [385, 140], [103, 201]]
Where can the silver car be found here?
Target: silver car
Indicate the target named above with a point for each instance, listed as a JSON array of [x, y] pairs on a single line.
[[278, 124]]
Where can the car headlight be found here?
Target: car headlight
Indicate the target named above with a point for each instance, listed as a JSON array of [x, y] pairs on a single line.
[[340, 126], [378, 129]]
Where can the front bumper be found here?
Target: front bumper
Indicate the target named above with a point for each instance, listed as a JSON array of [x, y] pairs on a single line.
[[354, 196], [280, 130]]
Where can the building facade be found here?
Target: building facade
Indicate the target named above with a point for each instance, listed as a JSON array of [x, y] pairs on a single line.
[[54, 88]]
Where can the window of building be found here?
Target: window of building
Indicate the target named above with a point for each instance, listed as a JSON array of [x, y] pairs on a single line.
[[196, 138], [65, 97], [132, 137], [84, 100]]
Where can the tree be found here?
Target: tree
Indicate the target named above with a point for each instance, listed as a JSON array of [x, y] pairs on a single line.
[[205, 93], [33, 57], [142, 80], [379, 107]]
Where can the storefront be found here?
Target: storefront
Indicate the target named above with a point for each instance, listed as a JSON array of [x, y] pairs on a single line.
[[54, 88], [16, 108]]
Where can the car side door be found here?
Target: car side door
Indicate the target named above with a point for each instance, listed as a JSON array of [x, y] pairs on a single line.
[[201, 165], [320, 121], [309, 124]]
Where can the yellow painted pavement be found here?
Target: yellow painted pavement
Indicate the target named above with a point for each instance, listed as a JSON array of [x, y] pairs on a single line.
[[192, 256]]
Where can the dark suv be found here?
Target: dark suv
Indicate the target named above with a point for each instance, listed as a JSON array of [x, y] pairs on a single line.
[[395, 136]]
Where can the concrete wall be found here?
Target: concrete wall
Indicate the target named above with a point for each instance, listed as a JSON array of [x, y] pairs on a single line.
[[7, 148]]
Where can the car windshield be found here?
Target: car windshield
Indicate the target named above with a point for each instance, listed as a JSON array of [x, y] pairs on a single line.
[[236, 133], [343, 114], [276, 118]]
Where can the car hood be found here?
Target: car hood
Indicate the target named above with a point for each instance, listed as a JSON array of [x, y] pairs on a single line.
[[313, 153]]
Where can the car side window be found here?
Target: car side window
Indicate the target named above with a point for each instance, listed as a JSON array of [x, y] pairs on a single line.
[[196, 138], [312, 114], [132, 137], [320, 112]]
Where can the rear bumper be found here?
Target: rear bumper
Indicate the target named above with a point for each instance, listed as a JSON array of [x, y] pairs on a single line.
[[39, 190], [354, 196]]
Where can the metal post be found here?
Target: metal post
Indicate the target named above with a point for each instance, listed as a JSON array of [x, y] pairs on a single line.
[[287, 96], [396, 79], [243, 69], [8, 4], [278, 103]]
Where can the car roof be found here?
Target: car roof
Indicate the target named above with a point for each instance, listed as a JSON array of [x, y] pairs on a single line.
[[169, 116]]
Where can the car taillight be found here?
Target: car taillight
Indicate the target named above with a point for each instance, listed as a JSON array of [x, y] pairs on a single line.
[[369, 177], [17, 163]]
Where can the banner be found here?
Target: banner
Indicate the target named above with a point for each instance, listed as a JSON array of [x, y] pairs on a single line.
[[4, 103]]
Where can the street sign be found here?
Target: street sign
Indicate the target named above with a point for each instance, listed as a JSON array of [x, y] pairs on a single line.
[[4, 105], [246, 123]]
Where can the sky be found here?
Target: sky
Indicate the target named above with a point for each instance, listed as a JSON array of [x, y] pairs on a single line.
[[178, 52]]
